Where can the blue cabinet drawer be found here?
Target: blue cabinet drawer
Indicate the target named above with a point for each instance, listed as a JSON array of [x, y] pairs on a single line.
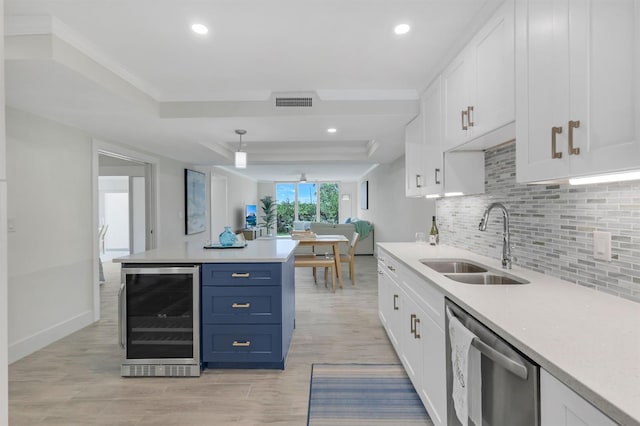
[[225, 274], [241, 343], [241, 305]]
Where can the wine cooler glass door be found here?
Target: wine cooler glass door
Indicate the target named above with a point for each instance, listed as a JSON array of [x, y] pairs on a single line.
[[161, 320]]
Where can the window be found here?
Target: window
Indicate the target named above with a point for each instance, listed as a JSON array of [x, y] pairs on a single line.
[[303, 202], [286, 207], [329, 196], [307, 202]]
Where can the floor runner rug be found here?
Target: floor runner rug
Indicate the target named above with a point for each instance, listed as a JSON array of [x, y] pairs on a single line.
[[363, 394]]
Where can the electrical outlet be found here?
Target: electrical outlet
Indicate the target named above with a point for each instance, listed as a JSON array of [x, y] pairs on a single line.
[[602, 245]]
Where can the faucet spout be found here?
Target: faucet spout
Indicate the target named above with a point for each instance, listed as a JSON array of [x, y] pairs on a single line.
[[507, 258]]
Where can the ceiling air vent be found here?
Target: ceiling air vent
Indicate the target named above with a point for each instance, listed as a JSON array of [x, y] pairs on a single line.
[[294, 102]]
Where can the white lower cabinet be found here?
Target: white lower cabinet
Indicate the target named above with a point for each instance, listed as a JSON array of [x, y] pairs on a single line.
[[423, 351], [434, 379], [389, 309], [560, 406], [411, 341], [411, 311]]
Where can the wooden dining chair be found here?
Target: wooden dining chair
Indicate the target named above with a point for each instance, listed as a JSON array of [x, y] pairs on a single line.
[[350, 257], [313, 261]]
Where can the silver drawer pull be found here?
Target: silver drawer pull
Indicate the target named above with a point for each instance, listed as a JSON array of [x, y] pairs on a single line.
[[241, 305], [242, 344], [240, 275], [391, 268]]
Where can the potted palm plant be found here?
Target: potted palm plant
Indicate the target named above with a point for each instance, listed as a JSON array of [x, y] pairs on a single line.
[[269, 216]]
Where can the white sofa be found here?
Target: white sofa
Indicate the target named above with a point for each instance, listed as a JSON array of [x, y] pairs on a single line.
[[365, 246]]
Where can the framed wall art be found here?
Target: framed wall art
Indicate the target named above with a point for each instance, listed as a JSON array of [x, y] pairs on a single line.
[[364, 195], [195, 201]]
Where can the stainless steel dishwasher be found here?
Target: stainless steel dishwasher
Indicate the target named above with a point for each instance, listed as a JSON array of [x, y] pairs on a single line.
[[510, 389]]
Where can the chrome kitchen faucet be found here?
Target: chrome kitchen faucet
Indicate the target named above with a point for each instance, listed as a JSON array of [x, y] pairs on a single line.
[[507, 258]]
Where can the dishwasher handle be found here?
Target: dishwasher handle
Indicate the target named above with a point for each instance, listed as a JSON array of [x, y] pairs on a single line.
[[509, 364], [504, 361]]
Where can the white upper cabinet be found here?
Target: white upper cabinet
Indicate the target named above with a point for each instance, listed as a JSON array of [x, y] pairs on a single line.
[[457, 101], [432, 116], [423, 151], [478, 85], [430, 171], [577, 87], [414, 151]]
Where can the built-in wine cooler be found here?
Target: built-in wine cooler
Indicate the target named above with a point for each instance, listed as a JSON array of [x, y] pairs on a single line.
[[159, 320]]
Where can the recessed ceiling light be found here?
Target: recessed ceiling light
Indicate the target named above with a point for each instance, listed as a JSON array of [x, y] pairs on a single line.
[[402, 29], [199, 29], [332, 130]]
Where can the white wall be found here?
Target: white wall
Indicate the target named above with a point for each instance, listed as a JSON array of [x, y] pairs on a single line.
[[50, 254], [394, 217], [348, 208], [170, 214], [117, 235], [4, 377], [240, 192]]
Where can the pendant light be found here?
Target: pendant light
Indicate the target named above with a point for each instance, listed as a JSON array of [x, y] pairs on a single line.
[[241, 156], [303, 178]]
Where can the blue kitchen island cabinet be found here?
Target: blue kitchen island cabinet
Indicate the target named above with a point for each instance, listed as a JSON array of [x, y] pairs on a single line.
[[248, 314], [247, 299]]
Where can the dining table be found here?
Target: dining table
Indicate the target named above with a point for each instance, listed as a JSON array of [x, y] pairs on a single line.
[[327, 240]]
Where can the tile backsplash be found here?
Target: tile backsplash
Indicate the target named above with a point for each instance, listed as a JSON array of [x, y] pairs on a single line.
[[551, 226]]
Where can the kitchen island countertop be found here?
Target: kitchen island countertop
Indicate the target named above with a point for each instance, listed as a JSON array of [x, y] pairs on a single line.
[[261, 250], [588, 339]]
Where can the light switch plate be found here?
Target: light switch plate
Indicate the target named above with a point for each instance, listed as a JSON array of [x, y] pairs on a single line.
[[602, 245]]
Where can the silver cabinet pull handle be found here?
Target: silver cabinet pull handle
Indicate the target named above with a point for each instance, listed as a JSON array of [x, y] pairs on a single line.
[[418, 185], [554, 132], [241, 305], [415, 331], [395, 302], [121, 316], [413, 324], [391, 268], [241, 344], [464, 113], [437, 179], [469, 115], [573, 125], [240, 275]]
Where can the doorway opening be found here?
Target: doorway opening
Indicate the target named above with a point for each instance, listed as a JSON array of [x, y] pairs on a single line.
[[124, 213]]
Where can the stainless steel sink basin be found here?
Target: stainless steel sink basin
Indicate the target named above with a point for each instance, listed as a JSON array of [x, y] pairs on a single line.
[[490, 278], [469, 272], [453, 266]]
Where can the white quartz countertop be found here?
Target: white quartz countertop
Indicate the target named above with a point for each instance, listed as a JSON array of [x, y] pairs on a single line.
[[587, 339], [262, 250]]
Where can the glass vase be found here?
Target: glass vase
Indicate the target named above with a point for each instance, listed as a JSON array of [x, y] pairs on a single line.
[[227, 238]]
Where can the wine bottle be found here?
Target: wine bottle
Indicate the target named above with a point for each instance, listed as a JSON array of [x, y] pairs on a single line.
[[434, 236]]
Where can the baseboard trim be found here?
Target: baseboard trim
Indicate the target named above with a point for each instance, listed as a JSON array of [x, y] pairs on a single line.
[[39, 340]]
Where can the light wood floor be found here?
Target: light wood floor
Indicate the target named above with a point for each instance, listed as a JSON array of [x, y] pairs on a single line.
[[76, 381]]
